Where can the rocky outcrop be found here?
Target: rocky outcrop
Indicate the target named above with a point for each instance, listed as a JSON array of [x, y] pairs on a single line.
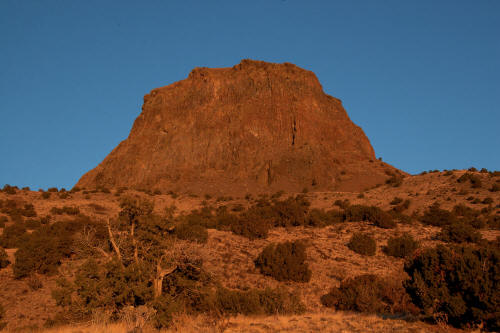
[[254, 127]]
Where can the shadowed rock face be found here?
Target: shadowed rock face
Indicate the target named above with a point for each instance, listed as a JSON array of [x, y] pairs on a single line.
[[253, 127]]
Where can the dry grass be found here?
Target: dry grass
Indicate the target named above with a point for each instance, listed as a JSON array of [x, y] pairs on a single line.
[[312, 322]]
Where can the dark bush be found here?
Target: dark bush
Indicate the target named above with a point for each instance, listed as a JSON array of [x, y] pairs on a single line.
[[371, 214], [362, 244], [401, 247], [438, 217], [291, 212], [2, 314], [46, 195], [459, 232], [254, 223], [192, 232], [319, 218], [284, 262], [475, 180], [461, 282], [394, 181], [396, 201], [488, 200], [3, 220], [42, 253], [495, 187], [257, 302], [368, 293], [32, 224], [65, 210], [13, 235], [4, 258], [9, 189]]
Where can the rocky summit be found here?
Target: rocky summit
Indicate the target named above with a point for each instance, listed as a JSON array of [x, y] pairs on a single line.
[[254, 127]]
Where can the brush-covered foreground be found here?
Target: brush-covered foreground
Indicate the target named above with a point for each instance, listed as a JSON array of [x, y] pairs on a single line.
[[421, 248]]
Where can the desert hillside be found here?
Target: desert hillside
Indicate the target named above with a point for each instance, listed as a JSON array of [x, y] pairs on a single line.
[[212, 270]]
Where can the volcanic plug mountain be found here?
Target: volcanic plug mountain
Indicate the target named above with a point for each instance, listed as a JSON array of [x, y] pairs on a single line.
[[253, 127]]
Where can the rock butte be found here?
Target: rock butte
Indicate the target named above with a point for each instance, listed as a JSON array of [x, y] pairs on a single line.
[[254, 127]]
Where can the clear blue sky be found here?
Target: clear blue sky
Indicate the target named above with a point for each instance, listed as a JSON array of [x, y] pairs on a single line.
[[422, 78]]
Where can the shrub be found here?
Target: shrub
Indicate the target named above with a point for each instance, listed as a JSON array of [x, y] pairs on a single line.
[[32, 224], [65, 210], [9, 189], [319, 218], [4, 258], [46, 195], [436, 216], [459, 233], [394, 181], [396, 201], [495, 187], [488, 200], [362, 244], [13, 235], [401, 247], [3, 220], [284, 262], [475, 180], [462, 282], [192, 232], [252, 224], [41, 253], [368, 293], [2, 314], [371, 214], [257, 302]]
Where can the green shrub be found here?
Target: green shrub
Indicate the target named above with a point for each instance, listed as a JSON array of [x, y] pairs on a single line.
[[4, 258], [362, 244], [192, 232], [461, 282], [368, 293], [401, 247], [284, 262], [459, 232]]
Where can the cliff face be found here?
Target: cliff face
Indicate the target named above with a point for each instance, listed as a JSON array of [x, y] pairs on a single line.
[[253, 127]]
